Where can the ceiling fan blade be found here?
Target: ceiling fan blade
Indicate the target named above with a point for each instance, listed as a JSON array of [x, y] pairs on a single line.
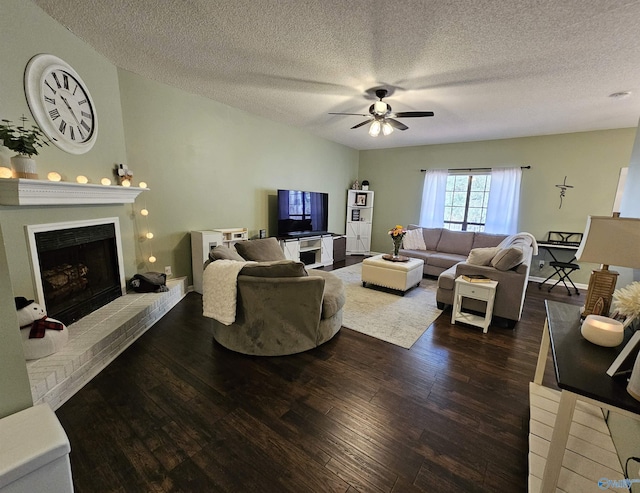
[[360, 124], [413, 114], [396, 124], [354, 114]]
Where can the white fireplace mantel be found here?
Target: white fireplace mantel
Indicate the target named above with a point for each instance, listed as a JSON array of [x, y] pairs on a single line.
[[22, 191]]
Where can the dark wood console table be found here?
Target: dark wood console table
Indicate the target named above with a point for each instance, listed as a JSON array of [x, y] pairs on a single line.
[[580, 368]]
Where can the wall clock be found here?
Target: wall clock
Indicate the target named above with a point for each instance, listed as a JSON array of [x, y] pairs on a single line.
[[60, 103]]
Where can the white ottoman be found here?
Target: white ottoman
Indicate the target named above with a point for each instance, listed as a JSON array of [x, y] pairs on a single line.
[[401, 276]]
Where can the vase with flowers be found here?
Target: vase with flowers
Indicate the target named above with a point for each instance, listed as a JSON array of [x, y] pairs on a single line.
[[397, 233]]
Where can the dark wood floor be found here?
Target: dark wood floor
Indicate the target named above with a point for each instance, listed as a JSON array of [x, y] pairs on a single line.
[[177, 412]]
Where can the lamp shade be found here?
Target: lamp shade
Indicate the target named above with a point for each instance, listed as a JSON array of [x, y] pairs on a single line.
[[611, 241]]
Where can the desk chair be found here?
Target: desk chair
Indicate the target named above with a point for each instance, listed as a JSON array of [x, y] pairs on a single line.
[[562, 240]]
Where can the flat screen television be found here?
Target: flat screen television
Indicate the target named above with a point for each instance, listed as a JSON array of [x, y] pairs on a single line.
[[302, 213]]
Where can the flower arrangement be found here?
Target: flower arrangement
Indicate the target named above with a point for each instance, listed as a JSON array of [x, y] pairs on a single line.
[[20, 139], [397, 233], [626, 301]]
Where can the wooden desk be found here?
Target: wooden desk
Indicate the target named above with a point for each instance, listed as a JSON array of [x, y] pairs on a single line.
[[581, 374]]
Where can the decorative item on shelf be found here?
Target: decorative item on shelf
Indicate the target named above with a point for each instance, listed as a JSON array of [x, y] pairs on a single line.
[[602, 331], [355, 186], [23, 141], [607, 241], [361, 199], [365, 185], [563, 190], [123, 173], [355, 215], [397, 234]]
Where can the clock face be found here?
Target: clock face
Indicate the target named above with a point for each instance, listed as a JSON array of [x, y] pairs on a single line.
[[60, 103]]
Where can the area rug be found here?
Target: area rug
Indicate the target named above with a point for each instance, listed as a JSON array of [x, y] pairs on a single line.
[[385, 315]]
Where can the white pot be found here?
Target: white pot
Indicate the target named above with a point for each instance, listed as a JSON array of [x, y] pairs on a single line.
[[23, 167]]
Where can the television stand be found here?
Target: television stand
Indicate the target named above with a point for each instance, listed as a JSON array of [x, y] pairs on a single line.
[[314, 251]]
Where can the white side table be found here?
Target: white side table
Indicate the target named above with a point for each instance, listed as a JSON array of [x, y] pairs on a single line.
[[482, 291]]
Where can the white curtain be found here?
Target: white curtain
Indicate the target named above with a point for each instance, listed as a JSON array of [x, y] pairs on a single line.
[[432, 209], [504, 201]]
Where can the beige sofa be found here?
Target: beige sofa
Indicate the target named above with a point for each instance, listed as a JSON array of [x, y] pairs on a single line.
[[280, 307], [450, 254]]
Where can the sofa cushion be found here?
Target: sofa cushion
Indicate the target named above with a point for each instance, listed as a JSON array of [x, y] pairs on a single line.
[[482, 256], [444, 260], [223, 252], [275, 268], [455, 242], [262, 250], [447, 280], [431, 237], [508, 258], [483, 240], [334, 295], [414, 240]]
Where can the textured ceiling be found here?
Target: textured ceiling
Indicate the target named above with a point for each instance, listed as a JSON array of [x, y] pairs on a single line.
[[488, 69]]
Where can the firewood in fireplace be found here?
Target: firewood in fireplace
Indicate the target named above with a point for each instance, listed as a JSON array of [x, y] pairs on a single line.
[[64, 279]]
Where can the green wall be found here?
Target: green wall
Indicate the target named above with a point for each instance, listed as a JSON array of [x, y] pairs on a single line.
[[590, 160], [212, 166]]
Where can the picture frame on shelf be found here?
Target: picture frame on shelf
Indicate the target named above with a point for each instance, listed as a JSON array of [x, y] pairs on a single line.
[[355, 215], [361, 199]]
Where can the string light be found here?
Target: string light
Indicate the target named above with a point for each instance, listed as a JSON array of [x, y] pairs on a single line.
[[54, 176], [126, 183], [5, 172], [82, 179], [144, 212], [149, 235], [152, 259], [142, 184], [105, 181]]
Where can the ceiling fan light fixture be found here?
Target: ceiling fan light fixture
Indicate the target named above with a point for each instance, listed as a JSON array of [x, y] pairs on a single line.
[[380, 107], [386, 128], [374, 129]]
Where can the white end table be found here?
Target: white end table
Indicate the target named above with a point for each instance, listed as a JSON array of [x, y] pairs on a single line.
[[482, 291]]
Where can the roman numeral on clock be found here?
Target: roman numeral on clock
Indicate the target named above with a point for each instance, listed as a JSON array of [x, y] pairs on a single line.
[[65, 81], [84, 124], [85, 114], [49, 86], [63, 126], [72, 133], [55, 76], [49, 100], [54, 114]]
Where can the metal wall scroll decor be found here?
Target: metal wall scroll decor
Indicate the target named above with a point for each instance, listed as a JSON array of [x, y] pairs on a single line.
[[563, 189]]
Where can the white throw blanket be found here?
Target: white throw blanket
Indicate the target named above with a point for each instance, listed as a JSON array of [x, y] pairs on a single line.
[[520, 236], [220, 288]]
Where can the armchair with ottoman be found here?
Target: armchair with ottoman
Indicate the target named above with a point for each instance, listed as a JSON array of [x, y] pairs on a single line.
[[279, 307], [450, 254]]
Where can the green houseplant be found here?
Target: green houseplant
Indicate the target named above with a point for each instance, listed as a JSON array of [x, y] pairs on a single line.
[[25, 142]]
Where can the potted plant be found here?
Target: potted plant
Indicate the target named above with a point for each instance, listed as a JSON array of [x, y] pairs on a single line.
[[24, 141]]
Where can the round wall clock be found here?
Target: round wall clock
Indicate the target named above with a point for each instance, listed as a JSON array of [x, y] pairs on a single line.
[[60, 103]]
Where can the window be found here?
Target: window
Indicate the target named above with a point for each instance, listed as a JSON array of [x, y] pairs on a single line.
[[466, 199]]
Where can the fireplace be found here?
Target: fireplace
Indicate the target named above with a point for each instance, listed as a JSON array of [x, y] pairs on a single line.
[[77, 266]]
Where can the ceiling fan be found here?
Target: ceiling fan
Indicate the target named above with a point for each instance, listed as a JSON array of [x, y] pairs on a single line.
[[382, 118]]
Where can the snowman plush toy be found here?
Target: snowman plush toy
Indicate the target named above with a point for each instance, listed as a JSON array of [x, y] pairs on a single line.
[[41, 335]]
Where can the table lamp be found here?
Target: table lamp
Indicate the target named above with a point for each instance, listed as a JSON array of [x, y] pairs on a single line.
[[607, 241]]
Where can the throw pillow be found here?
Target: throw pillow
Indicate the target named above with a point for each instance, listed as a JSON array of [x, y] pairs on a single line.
[[223, 252], [482, 256], [413, 240], [262, 250], [508, 258], [276, 268]]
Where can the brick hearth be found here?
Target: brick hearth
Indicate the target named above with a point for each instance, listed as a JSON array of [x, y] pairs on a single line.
[[96, 340]]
